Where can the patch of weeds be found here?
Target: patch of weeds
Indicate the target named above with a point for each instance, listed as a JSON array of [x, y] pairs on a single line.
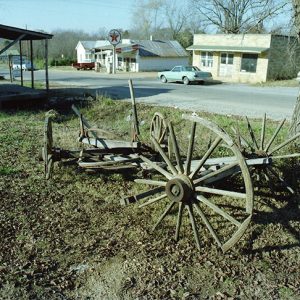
[[286, 293], [7, 171]]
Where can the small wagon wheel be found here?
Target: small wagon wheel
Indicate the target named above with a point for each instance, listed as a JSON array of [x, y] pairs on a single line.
[[258, 147], [193, 184], [159, 129], [47, 148]]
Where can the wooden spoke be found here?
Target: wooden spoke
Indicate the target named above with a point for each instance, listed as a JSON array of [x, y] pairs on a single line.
[[263, 132], [151, 182], [218, 210], [204, 189], [169, 207], [274, 136], [156, 167], [176, 148], [284, 143], [206, 156], [47, 148], [207, 223], [164, 156], [179, 221], [143, 195], [252, 134], [217, 173], [190, 149], [153, 200], [194, 226], [243, 141]]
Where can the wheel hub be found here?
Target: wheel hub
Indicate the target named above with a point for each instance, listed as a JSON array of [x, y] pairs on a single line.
[[179, 189]]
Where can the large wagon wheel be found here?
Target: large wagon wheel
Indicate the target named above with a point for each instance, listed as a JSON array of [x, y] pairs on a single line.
[[195, 185], [159, 130], [256, 146], [48, 148]]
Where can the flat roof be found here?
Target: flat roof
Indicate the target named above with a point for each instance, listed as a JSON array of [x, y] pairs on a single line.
[[12, 33], [228, 48]]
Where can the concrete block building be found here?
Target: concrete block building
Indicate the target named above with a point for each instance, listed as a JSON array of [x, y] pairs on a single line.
[[247, 57]]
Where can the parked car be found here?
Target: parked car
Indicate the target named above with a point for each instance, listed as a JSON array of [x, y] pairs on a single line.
[[185, 74], [26, 65]]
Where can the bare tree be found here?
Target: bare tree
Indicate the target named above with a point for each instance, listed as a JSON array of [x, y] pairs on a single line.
[[163, 19], [176, 15], [146, 18], [237, 16]]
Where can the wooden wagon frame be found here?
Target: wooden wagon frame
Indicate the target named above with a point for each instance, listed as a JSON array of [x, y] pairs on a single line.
[[184, 181]]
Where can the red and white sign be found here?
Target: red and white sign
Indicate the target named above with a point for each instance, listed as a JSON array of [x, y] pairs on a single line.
[[114, 37]]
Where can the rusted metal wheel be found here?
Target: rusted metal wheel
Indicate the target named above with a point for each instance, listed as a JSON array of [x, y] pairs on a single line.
[[256, 146], [198, 183], [159, 130], [47, 148]]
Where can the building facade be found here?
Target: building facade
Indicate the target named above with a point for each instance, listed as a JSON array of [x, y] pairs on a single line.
[[246, 57], [134, 55]]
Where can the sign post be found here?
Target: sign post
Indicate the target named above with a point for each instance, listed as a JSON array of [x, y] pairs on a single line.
[[114, 37]]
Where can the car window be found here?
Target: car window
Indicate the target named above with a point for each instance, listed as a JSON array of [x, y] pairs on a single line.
[[176, 69]]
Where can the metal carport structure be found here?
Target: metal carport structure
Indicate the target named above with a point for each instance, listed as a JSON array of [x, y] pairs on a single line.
[[18, 35]]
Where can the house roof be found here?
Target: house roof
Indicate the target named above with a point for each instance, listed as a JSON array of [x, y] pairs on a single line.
[[88, 45], [228, 48], [161, 48], [150, 48], [13, 33]]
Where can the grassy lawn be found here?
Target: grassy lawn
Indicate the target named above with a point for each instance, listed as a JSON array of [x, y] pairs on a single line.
[[69, 237]]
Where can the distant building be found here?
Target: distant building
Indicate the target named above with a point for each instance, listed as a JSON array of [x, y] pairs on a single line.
[[247, 57], [134, 55]]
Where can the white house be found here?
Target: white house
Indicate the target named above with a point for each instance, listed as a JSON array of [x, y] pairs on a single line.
[[86, 50], [134, 55]]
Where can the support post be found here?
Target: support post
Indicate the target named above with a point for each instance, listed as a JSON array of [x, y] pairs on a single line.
[[31, 59], [114, 59], [10, 67], [46, 65], [21, 62]]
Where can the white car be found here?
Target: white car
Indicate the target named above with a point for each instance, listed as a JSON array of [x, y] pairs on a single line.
[[26, 65]]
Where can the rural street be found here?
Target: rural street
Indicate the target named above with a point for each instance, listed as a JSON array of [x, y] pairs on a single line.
[[225, 98]]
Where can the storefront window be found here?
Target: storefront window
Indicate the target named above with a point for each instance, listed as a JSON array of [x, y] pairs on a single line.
[[206, 59], [249, 63]]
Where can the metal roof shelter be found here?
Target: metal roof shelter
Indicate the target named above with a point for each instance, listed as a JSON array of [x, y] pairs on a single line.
[[17, 35]]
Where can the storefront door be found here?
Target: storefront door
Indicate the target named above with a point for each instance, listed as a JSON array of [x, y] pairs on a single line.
[[226, 65]]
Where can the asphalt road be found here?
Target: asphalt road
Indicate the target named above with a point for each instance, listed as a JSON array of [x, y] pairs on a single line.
[[224, 98]]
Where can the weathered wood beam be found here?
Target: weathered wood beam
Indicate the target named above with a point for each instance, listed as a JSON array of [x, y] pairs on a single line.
[[12, 43]]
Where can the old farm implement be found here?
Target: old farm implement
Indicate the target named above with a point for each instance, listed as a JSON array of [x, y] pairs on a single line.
[[193, 168]]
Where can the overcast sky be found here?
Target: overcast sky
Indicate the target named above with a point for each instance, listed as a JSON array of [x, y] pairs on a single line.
[[48, 15]]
